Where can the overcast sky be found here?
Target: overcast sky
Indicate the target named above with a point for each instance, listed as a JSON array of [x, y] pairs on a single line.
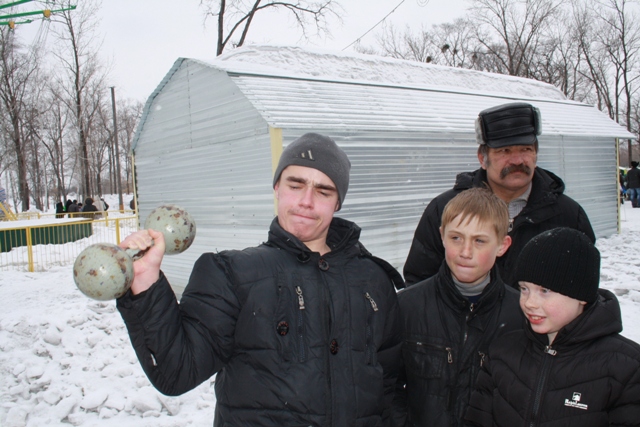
[[143, 38]]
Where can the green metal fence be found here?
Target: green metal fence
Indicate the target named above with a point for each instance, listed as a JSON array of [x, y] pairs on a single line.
[[46, 240]]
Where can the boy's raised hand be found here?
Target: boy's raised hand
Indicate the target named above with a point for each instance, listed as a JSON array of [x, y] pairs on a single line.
[[146, 268]]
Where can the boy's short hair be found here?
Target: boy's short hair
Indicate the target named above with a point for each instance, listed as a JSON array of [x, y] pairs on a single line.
[[478, 203]]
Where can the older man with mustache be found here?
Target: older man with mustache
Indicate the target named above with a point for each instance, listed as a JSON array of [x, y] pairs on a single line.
[[508, 153]]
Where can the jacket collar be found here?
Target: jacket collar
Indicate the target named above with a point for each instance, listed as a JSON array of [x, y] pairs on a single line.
[[491, 294], [599, 319], [342, 235]]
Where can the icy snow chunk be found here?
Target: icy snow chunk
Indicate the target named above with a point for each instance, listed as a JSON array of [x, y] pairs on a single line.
[[41, 384], [115, 402], [77, 418], [64, 407], [52, 336], [146, 399], [51, 397], [94, 399], [77, 320], [117, 371], [20, 390], [106, 413], [16, 417], [18, 369], [95, 338], [35, 371], [171, 404]]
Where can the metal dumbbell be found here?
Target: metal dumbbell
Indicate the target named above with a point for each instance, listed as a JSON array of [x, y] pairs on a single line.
[[104, 271]]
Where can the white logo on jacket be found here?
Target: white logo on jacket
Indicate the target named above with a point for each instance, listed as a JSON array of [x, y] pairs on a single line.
[[575, 401]]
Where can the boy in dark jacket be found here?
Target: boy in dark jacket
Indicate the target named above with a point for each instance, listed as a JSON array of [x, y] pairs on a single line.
[[569, 366], [302, 330], [450, 319]]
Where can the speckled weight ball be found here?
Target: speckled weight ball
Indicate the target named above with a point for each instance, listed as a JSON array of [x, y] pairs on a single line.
[[176, 224], [103, 271]]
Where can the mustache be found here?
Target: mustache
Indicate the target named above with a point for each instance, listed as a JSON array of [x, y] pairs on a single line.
[[515, 168]]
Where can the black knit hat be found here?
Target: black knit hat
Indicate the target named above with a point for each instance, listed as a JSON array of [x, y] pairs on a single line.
[[517, 123], [563, 260], [319, 152]]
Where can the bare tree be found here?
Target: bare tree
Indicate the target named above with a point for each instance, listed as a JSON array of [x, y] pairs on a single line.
[[449, 44], [83, 77], [19, 69], [621, 40], [129, 113], [53, 136], [511, 30], [237, 15]]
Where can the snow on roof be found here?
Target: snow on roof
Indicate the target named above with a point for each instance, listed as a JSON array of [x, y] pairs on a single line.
[[296, 88], [295, 62]]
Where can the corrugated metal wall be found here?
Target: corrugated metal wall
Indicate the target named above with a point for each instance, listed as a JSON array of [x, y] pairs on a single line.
[[204, 147], [588, 168]]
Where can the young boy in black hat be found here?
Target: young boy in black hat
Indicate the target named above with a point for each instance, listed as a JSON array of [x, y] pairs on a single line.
[[570, 366]]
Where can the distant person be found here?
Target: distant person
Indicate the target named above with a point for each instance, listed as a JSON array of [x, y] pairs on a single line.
[[508, 153], [132, 205], [105, 206], [67, 204], [303, 330], [73, 209], [450, 319], [570, 366], [59, 210], [633, 184], [89, 208]]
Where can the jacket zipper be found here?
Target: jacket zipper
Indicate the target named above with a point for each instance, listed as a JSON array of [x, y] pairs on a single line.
[[455, 373], [369, 332], [301, 352], [542, 382], [449, 350]]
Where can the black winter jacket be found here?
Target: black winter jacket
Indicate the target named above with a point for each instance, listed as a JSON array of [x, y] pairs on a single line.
[[633, 178], [548, 207], [588, 377], [296, 339], [445, 342]]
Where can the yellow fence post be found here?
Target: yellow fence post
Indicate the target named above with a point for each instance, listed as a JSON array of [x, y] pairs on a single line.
[[117, 231], [29, 249]]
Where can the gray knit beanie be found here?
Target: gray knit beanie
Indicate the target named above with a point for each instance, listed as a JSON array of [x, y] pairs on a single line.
[[563, 260], [319, 152]]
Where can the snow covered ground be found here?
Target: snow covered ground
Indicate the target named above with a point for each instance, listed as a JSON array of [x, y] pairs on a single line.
[[66, 359]]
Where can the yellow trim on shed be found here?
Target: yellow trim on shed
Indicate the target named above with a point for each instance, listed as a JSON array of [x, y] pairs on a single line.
[[275, 135]]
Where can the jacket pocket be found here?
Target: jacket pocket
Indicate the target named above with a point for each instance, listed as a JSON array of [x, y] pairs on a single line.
[[426, 360]]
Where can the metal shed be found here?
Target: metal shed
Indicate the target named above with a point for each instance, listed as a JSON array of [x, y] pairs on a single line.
[[211, 134]]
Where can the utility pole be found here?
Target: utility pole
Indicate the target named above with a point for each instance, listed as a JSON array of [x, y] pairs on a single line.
[[115, 140]]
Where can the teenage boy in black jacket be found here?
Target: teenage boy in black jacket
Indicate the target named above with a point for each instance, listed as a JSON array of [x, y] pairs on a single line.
[[302, 330], [450, 319], [569, 367]]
